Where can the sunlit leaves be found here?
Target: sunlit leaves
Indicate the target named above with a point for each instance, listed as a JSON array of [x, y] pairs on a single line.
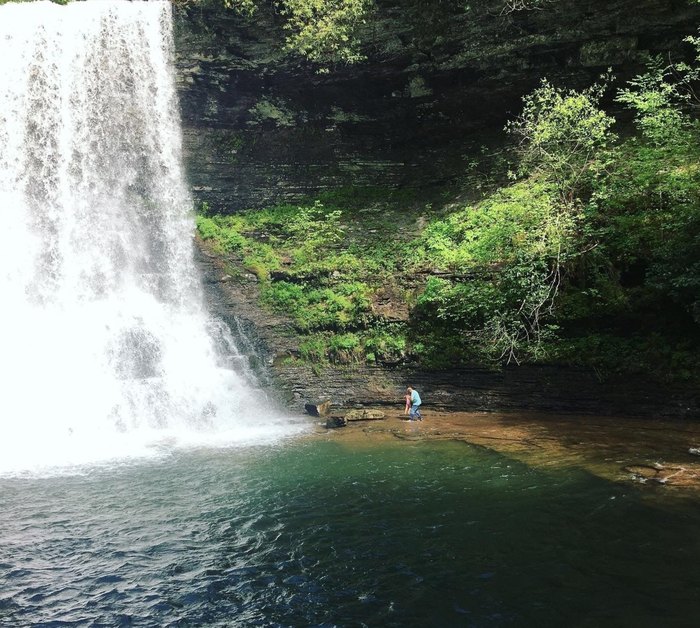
[[562, 134], [324, 31], [657, 98]]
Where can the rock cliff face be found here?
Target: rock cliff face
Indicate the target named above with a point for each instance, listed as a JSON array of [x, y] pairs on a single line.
[[264, 127], [269, 342]]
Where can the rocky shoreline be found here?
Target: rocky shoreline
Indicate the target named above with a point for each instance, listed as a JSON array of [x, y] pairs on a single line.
[[546, 416]]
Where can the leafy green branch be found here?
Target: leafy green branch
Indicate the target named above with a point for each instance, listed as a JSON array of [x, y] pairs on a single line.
[[563, 134], [324, 31]]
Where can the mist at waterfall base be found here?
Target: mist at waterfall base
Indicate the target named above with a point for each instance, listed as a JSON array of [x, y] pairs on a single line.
[[106, 345]]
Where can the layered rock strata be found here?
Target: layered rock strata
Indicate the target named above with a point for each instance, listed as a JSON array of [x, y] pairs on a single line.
[[273, 351], [440, 80]]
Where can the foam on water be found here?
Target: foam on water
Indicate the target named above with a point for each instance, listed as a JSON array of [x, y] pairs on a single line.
[[105, 343]]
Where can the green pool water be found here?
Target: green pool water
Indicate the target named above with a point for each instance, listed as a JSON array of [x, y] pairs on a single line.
[[314, 533]]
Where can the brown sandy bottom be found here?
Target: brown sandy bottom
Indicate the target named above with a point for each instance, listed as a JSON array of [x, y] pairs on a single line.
[[643, 451]]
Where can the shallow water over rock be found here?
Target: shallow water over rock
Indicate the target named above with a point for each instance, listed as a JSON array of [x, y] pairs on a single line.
[[620, 449]]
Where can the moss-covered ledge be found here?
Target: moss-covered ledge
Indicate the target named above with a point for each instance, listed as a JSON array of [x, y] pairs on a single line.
[[269, 340]]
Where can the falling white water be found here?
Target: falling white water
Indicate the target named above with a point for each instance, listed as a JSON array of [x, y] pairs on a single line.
[[104, 343]]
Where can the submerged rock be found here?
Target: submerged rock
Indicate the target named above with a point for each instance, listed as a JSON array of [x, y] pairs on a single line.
[[672, 474], [643, 472], [336, 421]]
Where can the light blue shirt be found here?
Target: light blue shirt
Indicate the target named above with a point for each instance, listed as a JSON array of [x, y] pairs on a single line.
[[415, 398]]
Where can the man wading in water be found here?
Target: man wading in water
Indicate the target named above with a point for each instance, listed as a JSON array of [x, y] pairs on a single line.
[[415, 404]]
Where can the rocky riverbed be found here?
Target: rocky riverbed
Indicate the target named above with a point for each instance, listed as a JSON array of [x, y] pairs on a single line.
[[659, 455]]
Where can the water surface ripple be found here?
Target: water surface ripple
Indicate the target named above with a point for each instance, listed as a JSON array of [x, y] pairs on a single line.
[[314, 534]]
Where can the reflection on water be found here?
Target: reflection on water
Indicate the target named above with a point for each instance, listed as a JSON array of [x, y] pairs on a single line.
[[313, 533]]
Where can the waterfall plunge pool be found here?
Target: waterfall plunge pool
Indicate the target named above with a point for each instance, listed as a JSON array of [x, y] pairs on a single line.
[[314, 533], [107, 349]]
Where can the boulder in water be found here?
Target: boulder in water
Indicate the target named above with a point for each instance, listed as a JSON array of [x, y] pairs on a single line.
[[336, 421]]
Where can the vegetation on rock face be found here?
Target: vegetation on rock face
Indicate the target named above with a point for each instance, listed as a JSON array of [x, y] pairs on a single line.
[[589, 254], [331, 32], [315, 266], [323, 31]]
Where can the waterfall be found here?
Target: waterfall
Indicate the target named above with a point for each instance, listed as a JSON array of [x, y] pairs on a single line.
[[105, 345]]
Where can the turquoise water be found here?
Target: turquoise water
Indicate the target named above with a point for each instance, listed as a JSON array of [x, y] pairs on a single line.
[[315, 534]]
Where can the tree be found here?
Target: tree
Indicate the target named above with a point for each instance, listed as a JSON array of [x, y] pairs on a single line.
[[659, 98], [562, 135], [322, 31]]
